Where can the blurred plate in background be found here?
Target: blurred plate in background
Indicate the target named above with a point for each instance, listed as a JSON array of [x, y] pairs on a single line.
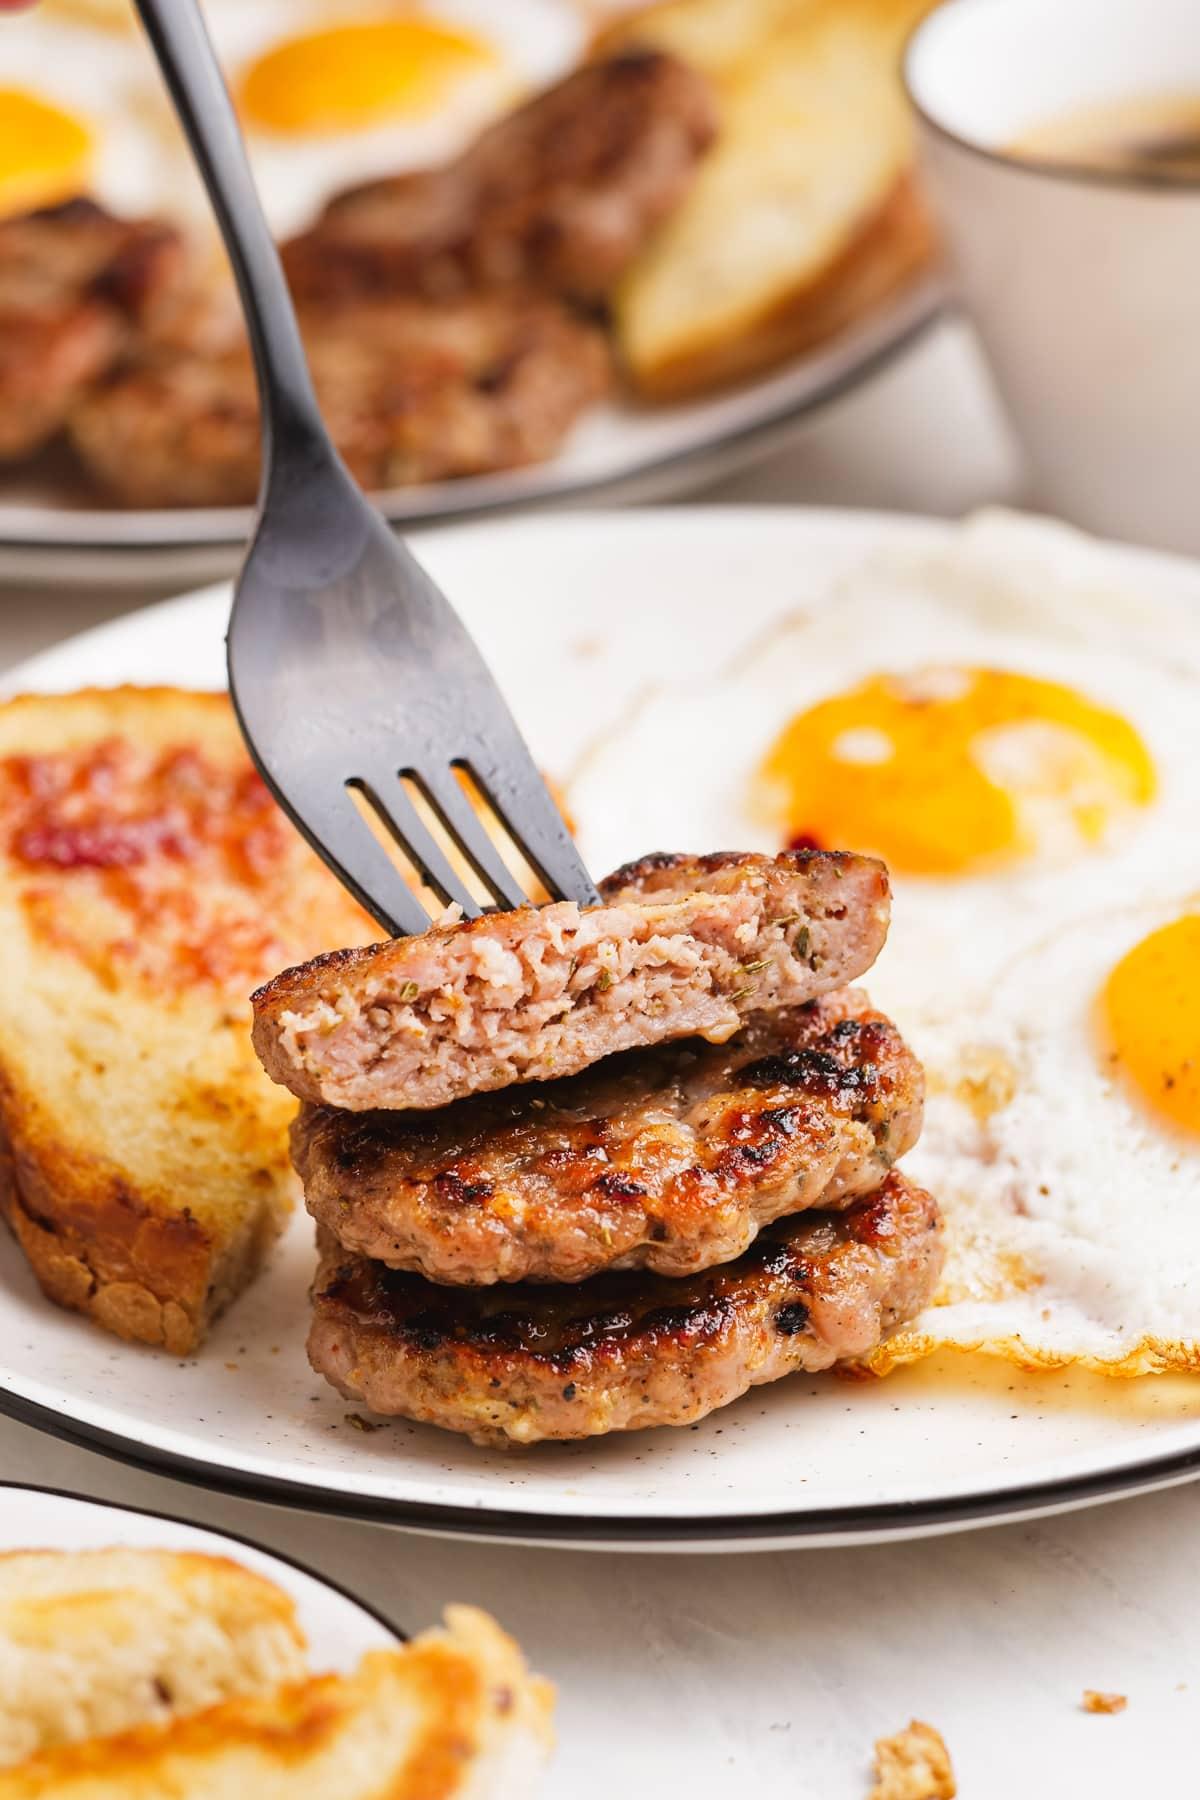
[[620, 454]]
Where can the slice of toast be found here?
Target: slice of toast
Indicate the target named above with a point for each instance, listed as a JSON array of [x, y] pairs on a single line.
[[94, 1642], [147, 884], [455, 1715], [804, 214]]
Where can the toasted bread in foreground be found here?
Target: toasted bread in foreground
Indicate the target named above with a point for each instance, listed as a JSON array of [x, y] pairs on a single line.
[[96, 1641], [147, 884], [803, 216], [453, 1716]]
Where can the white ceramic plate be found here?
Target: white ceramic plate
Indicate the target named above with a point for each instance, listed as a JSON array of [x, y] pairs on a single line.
[[576, 615], [620, 453], [338, 1628]]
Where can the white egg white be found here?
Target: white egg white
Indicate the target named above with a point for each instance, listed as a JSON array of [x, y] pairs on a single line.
[[107, 81], [534, 42], [1073, 1207], [72, 56], [1073, 1213], [705, 738]]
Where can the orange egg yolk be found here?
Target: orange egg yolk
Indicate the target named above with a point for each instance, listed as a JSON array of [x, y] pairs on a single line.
[[353, 76], [944, 771], [1151, 1020], [44, 152]]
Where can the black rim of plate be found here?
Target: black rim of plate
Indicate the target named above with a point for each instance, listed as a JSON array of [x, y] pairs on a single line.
[[923, 305], [232, 1537], [871, 1520]]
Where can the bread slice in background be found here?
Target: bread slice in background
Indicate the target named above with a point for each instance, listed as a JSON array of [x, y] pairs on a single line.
[[718, 36], [147, 884], [455, 1715], [803, 215], [96, 1641]]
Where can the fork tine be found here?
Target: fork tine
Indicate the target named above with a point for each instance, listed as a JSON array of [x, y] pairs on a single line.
[[336, 629], [468, 829], [398, 813], [338, 833], [514, 785]]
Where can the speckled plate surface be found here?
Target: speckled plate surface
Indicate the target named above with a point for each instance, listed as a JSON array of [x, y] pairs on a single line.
[[577, 614]]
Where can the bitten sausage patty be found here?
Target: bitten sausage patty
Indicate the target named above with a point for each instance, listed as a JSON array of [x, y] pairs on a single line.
[[626, 1350], [680, 946], [561, 194], [668, 1159]]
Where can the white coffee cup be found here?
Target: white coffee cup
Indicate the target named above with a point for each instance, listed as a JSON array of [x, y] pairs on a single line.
[[1084, 286]]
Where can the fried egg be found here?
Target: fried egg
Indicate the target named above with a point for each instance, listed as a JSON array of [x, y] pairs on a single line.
[[74, 104], [330, 93], [45, 151], [364, 73], [950, 769], [1072, 1194], [333, 92], [1151, 1020], [1017, 733]]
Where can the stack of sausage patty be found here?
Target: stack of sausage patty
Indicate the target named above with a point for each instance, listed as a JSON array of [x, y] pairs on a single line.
[[587, 1170]]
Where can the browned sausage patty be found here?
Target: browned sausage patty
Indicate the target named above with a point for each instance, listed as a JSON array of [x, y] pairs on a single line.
[[562, 193], [668, 1159], [74, 282], [681, 946], [626, 1350], [411, 392]]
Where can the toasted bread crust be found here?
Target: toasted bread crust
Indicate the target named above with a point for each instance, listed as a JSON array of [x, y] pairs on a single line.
[[885, 253], [803, 218], [99, 1641], [99, 1251], [143, 1156], [102, 1246], [455, 1713]]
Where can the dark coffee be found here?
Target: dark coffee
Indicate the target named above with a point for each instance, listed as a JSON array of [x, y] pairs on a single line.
[[1155, 137]]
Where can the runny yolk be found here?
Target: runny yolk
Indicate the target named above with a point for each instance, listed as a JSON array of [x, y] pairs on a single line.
[[1151, 1020], [945, 771], [353, 76], [44, 152]]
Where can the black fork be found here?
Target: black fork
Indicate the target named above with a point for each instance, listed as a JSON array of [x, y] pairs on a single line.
[[348, 667]]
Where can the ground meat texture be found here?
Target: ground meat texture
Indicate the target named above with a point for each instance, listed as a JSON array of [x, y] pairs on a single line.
[[681, 946], [75, 285], [411, 392], [627, 1350], [562, 193], [668, 1159]]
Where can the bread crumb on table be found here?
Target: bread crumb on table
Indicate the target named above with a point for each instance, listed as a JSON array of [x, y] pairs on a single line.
[[1096, 1702], [914, 1764]]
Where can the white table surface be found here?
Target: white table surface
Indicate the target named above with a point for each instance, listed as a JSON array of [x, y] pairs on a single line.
[[772, 1674]]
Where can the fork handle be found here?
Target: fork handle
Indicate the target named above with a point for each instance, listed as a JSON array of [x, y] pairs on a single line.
[[290, 413]]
